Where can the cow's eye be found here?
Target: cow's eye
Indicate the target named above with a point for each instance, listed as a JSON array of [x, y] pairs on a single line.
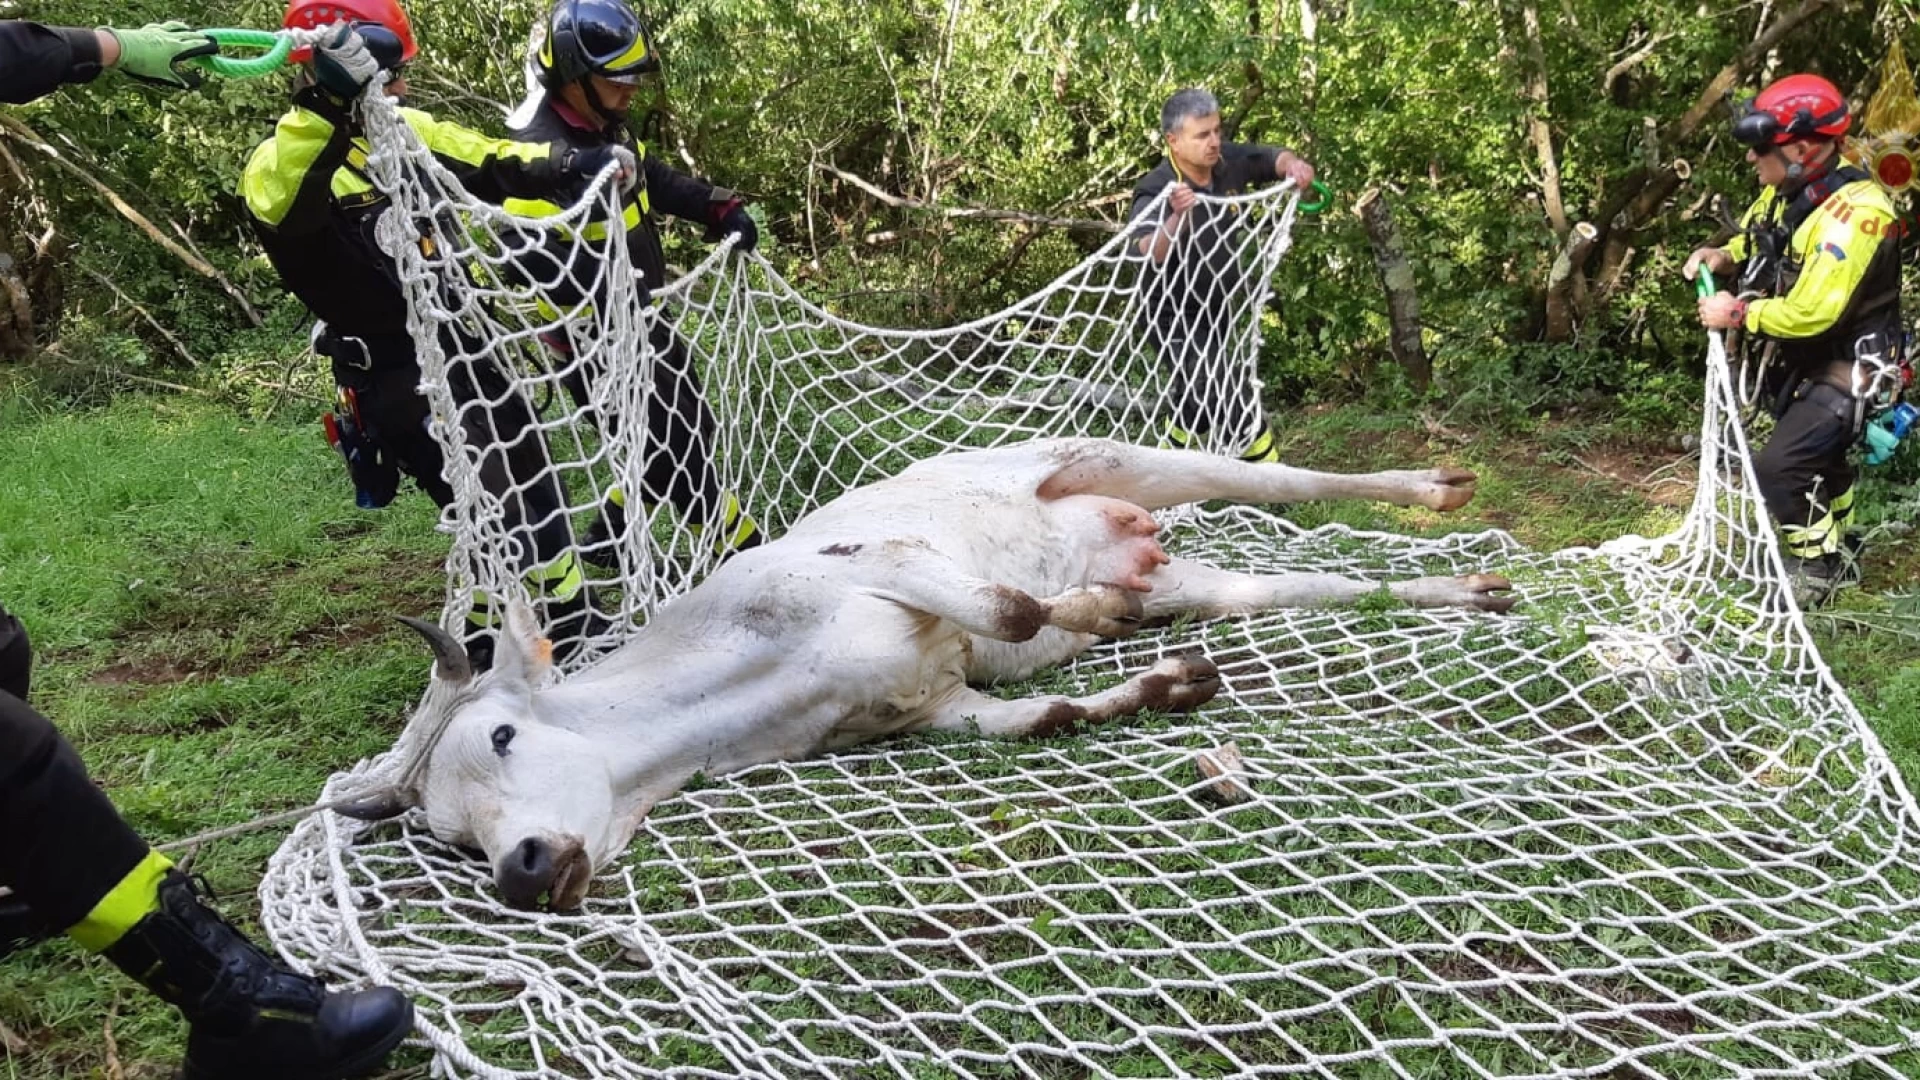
[[502, 735]]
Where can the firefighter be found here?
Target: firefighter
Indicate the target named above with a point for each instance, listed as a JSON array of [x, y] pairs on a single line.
[[1818, 268]]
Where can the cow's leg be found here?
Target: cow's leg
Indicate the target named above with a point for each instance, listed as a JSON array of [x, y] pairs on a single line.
[[1175, 684], [1183, 587], [918, 577], [1154, 478]]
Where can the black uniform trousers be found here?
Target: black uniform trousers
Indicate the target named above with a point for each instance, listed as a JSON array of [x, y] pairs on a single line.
[[1803, 471], [65, 847], [1195, 349], [496, 420], [679, 469]]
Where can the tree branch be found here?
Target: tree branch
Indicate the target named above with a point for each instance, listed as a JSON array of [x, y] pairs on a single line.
[[961, 213], [1730, 75], [1565, 280], [27, 136], [178, 345], [1539, 128], [1635, 59]]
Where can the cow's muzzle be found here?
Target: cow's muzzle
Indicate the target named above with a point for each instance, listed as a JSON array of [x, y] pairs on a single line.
[[537, 869]]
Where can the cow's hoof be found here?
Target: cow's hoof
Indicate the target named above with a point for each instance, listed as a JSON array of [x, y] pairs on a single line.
[[1480, 592], [1180, 683], [1487, 592], [1107, 610], [1447, 489]]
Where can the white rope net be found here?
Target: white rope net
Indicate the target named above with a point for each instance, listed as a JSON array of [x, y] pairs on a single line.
[[1633, 830]]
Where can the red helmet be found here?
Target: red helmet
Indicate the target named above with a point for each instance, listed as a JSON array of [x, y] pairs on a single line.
[[1796, 107], [313, 14]]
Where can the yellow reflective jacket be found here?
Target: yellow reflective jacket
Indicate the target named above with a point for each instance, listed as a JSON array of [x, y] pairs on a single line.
[[314, 208], [1842, 263]]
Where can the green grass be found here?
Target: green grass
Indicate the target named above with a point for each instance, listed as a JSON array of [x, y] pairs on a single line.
[[212, 624]]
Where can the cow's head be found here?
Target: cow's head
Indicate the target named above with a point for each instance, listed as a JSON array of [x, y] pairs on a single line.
[[493, 773]]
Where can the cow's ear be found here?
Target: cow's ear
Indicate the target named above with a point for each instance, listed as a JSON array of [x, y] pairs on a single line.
[[522, 653]]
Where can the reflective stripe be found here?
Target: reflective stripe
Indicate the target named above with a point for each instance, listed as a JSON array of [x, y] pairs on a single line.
[[594, 230], [560, 579], [1176, 437], [467, 146], [634, 54], [137, 895], [737, 527], [1820, 538], [617, 497], [1265, 449]]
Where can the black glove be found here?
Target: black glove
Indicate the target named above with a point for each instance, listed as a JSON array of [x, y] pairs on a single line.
[[729, 217], [343, 65], [579, 166]]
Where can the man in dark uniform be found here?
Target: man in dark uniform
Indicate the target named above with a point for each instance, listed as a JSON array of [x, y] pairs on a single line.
[[36, 60], [315, 211], [69, 862], [593, 59], [1197, 252], [1819, 289]]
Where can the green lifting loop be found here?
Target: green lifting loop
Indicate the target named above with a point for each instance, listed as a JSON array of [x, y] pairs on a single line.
[[1325, 200], [278, 45], [1703, 282]]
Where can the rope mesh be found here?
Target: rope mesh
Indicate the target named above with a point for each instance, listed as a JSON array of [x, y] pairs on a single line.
[[1635, 829]]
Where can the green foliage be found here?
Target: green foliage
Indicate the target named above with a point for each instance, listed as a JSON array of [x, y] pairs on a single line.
[[1050, 106]]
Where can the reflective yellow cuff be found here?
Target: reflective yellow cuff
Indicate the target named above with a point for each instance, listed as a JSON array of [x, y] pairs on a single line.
[[137, 895], [1820, 538], [560, 579], [736, 527], [1173, 436], [1841, 505], [617, 497], [1265, 449]]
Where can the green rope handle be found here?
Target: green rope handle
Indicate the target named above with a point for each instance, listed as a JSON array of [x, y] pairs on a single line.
[[278, 46], [1703, 281], [1325, 200]]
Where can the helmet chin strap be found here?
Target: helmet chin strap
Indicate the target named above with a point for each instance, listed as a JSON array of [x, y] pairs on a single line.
[[592, 94], [1800, 174]]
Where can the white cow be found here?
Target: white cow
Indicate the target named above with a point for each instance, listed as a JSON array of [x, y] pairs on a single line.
[[872, 616]]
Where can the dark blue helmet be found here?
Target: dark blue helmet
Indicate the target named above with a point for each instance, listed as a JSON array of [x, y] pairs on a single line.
[[596, 37]]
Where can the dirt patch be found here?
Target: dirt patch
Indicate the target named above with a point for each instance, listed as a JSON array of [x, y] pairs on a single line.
[[145, 671], [1662, 478]]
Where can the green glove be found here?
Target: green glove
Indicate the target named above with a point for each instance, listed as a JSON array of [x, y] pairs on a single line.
[[157, 54]]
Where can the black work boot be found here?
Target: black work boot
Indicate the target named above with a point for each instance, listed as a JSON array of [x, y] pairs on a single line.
[[249, 1017], [19, 926], [1813, 580]]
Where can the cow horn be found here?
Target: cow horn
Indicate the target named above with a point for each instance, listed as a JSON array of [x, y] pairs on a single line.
[[449, 656], [378, 805]]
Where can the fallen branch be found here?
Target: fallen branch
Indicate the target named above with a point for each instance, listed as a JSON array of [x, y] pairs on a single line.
[[960, 213], [178, 345], [114, 1071], [110, 373], [1566, 280], [29, 137]]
